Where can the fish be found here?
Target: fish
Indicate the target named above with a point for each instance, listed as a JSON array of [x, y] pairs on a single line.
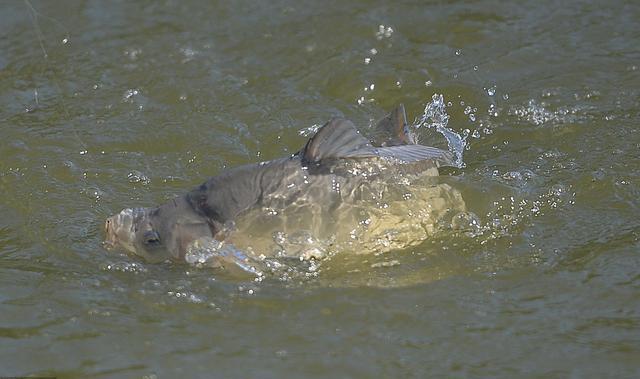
[[299, 206]]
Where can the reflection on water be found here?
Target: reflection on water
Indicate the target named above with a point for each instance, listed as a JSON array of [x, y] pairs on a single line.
[[533, 274]]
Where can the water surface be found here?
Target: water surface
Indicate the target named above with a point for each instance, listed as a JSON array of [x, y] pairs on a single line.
[[107, 105]]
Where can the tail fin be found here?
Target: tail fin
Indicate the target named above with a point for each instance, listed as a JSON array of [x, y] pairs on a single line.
[[393, 129]]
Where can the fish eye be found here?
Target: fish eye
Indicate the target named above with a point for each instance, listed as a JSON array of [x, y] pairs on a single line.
[[151, 238]]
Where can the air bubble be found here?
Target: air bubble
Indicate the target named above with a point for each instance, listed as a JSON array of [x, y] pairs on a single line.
[[467, 222]]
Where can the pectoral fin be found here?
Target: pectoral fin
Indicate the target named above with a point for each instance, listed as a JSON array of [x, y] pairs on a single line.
[[224, 256], [234, 262]]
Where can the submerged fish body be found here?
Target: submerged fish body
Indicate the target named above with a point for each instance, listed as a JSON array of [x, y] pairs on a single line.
[[372, 217], [339, 192]]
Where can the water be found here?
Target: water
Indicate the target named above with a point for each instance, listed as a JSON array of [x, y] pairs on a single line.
[[435, 117], [107, 105]]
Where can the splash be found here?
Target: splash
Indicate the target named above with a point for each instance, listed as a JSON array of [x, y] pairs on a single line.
[[435, 117], [539, 114], [212, 253]]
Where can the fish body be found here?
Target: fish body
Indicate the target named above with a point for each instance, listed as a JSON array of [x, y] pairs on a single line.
[[336, 189]]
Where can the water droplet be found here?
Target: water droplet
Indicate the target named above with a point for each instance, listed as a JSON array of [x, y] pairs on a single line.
[[128, 94], [188, 53], [458, 52], [384, 32], [467, 222], [138, 177], [491, 91], [65, 41], [132, 53], [492, 111]]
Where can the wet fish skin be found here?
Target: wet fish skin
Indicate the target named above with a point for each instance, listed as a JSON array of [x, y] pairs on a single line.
[[166, 232]]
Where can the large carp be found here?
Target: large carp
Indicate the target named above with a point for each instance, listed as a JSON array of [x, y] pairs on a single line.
[[341, 191]]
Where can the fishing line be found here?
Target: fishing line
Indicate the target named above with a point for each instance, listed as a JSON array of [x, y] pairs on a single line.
[[34, 15]]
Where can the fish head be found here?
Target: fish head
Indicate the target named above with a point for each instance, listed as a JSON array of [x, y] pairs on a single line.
[[135, 231]]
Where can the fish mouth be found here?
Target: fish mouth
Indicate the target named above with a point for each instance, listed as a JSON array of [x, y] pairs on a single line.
[[110, 226], [120, 228]]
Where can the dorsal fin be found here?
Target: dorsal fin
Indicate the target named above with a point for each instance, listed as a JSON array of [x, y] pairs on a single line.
[[338, 138], [393, 130]]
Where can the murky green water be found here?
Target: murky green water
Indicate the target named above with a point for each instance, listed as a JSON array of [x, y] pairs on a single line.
[[137, 102]]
